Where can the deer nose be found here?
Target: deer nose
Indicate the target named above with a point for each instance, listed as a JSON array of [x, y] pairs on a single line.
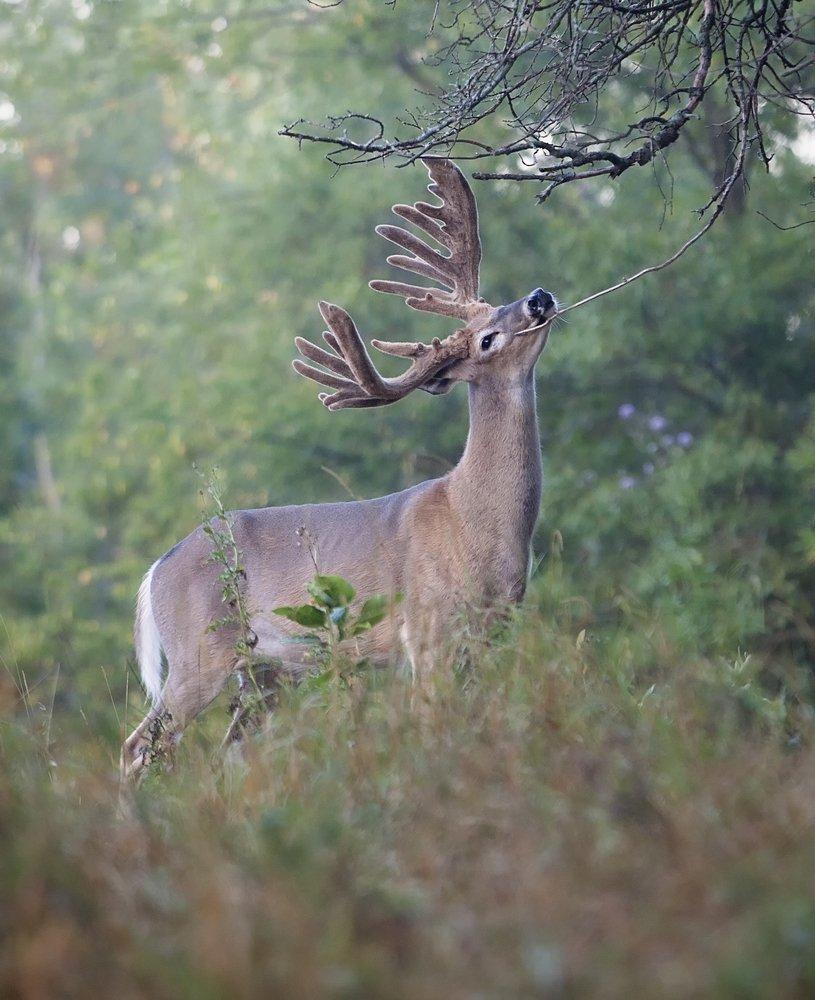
[[540, 301]]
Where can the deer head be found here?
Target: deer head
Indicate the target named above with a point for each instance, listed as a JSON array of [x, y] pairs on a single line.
[[496, 342]]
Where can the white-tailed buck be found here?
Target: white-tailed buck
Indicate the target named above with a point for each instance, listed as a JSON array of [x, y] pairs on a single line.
[[452, 546]]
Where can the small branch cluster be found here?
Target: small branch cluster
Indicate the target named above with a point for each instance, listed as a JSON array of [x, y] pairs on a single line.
[[217, 526], [248, 706]]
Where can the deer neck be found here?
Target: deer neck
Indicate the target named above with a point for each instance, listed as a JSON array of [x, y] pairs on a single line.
[[496, 487]]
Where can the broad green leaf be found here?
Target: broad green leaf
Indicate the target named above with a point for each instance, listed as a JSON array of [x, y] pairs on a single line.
[[306, 615], [331, 591], [373, 611]]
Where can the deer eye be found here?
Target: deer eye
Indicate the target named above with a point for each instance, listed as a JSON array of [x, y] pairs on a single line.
[[486, 340]]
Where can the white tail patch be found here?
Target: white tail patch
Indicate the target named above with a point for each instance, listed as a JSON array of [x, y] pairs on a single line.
[[147, 640]]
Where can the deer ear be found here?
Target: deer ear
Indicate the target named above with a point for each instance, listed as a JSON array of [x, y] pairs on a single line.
[[439, 386], [456, 371]]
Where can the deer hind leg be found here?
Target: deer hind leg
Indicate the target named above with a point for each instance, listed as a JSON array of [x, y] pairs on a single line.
[[143, 745], [192, 684]]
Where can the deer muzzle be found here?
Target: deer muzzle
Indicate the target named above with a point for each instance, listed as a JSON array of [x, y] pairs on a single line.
[[541, 305]]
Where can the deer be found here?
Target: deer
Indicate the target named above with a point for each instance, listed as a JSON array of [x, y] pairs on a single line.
[[449, 546]]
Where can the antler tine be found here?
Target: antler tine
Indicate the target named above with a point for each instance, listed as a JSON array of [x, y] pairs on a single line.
[[345, 400], [353, 349], [404, 348], [324, 378], [352, 373], [453, 225], [334, 362], [332, 342], [430, 300]]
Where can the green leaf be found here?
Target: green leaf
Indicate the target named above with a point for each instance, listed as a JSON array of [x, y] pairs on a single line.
[[338, 615], [321, 680], [331, 591], [220, 623], [372, 611], [306, 615], [303, 638]]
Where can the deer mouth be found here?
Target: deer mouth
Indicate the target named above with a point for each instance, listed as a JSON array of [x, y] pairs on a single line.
[[539, 322]]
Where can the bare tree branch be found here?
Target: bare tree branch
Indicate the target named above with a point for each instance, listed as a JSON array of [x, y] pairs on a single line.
[[540, 86], [530, 70]]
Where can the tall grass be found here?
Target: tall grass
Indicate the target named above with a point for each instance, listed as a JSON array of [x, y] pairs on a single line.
[[570, 818]]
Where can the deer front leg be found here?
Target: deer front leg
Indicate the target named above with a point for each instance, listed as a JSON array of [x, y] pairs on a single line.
[[258, 694], [432, 634]]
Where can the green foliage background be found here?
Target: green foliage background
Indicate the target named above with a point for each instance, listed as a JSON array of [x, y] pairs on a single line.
[[160, 247]]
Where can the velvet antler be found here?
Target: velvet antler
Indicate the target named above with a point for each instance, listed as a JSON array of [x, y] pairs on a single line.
[[453, 225], [352, 373]]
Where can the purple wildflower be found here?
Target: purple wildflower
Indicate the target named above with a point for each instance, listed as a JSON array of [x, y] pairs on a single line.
[[657, 423], [627, 482], [684, 438], [626, 411]]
